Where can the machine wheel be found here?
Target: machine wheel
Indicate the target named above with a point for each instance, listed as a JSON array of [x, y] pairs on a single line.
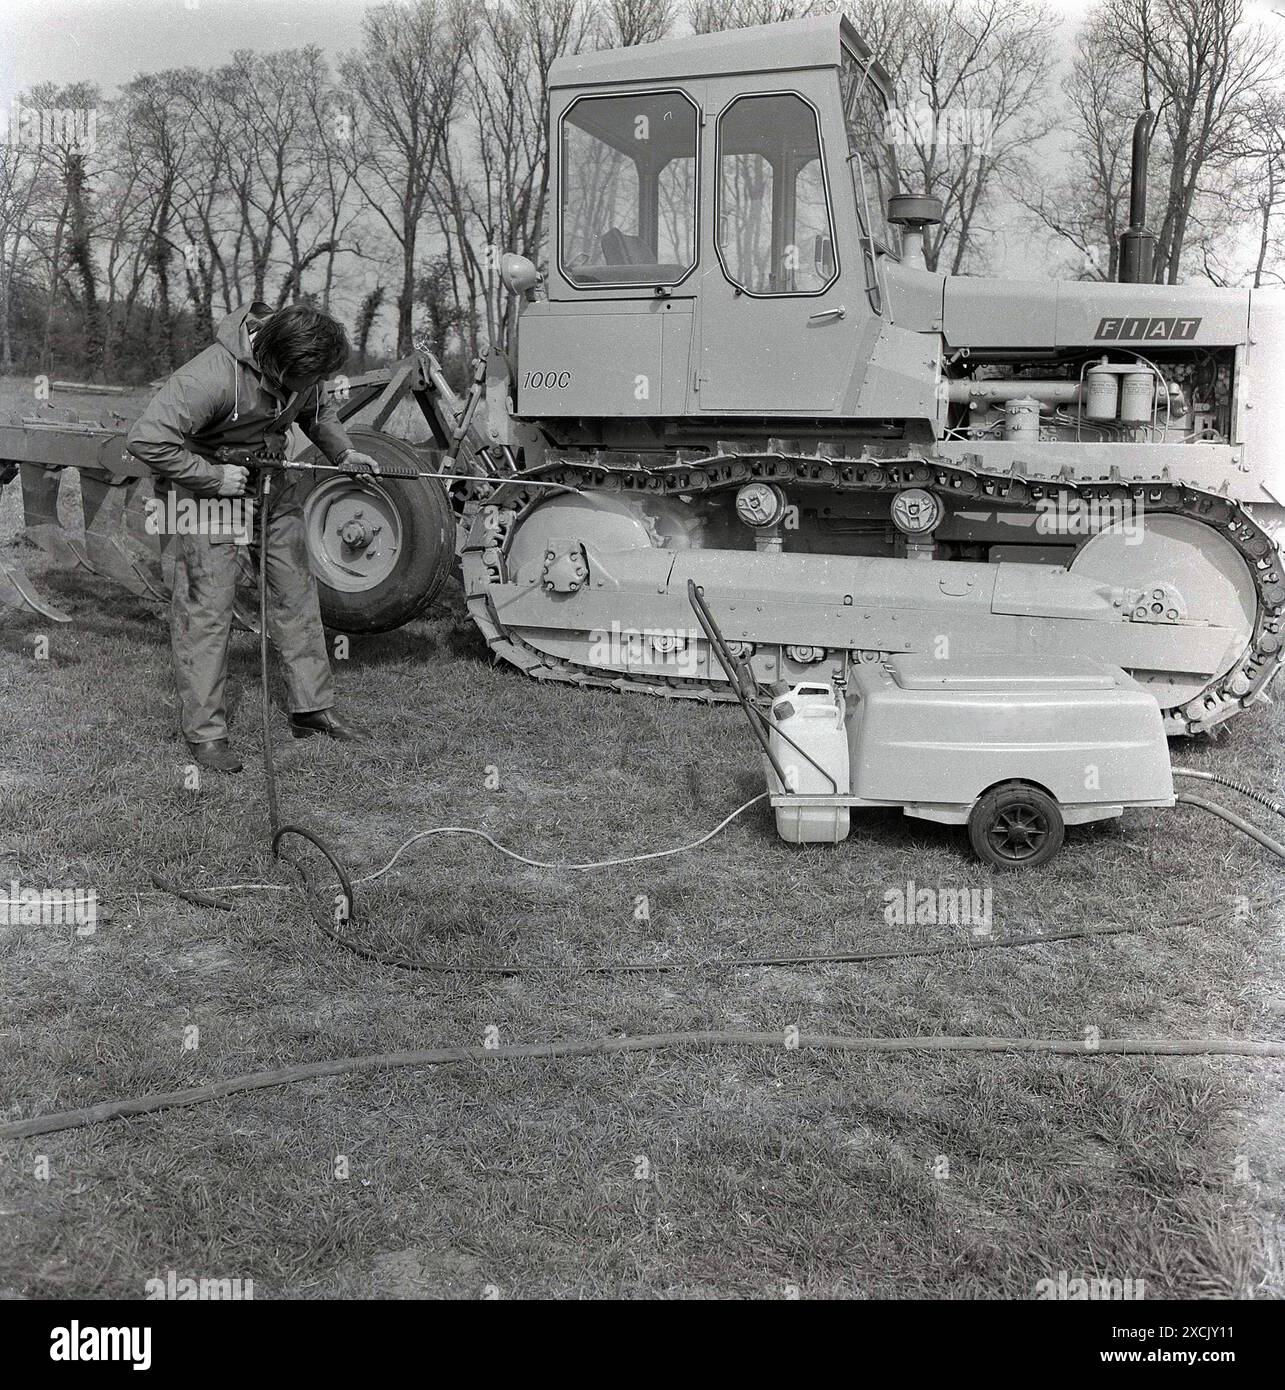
[[1203, 566], [1015, 826], [380, 548]]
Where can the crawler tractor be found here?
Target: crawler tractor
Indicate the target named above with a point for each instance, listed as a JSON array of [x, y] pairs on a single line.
[[742, 373]]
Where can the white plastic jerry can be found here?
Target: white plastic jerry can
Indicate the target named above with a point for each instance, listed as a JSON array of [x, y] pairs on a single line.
[[809, 741]]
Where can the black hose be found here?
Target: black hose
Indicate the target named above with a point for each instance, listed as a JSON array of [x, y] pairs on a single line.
[[191, 895], [1275, 846], [429, 965], [654, 1042], [276, 830], [1241, 787], [859, 956]]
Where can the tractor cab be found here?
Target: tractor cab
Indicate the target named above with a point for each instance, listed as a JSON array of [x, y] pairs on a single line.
[[721, 244]]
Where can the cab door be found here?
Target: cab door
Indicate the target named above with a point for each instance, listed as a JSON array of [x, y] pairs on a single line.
[[779, 313]]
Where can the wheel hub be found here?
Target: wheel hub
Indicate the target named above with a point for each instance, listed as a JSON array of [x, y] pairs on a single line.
[[1019, 832], [354, 533]]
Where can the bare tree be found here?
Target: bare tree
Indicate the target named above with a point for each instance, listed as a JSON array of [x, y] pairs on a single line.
[[21, 169], [332, 117], [202, 205], [123, 222], [1264, 150], [624, 23], [257, 159], [294, 185], [1202, 62], [407, 77], [1203, 67], [61, 125], [494, 189], [1089, 206], [706, 16], [161, 140], [970, 78], [1238, 219]]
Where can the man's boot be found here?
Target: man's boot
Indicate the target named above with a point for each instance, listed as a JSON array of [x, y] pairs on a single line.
[[216, 755], [324, 721]]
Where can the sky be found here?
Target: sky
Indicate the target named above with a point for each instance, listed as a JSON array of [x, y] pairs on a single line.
[[111, 41]]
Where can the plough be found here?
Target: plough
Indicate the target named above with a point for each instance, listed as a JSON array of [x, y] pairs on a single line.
[[116, 541]]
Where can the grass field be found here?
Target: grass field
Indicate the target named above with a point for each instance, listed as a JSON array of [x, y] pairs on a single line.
[[732, 1173]]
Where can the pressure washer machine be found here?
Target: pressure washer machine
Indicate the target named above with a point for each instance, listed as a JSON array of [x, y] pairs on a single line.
[[1015, 753], [1015, 748]]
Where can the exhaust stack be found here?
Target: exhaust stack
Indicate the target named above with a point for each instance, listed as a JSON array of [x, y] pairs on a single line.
[[1137, 244]]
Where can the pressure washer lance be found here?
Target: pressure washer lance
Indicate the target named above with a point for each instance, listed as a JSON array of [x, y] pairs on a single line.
[[271, 457]]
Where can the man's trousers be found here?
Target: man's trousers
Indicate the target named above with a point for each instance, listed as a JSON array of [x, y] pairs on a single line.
[[205, 578]]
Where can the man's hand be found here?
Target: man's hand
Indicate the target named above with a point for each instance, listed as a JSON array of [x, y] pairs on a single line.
[[351, 461], [235, 480]]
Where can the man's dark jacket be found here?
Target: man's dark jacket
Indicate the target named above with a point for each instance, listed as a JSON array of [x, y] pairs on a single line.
[[221, 397]]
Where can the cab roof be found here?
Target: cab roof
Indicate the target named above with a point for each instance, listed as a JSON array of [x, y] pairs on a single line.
[[789, 46]]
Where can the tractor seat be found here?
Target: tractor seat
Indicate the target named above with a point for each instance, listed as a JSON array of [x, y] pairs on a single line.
[[618, 248]]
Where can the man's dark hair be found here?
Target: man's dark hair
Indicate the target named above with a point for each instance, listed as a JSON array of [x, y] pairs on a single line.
[[301, 341]]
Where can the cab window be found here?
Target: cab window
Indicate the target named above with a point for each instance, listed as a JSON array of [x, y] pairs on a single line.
[[874, 155], [628, 189], [775, 233]]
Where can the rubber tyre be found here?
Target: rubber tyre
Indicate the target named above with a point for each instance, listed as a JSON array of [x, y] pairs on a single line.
[[1011, 813], [427, 554]]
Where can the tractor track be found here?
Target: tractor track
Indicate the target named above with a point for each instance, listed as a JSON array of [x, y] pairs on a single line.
[[493, 520]]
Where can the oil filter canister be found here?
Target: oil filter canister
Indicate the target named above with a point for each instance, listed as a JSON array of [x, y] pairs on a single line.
[[1102, 394], [1137, 398]]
